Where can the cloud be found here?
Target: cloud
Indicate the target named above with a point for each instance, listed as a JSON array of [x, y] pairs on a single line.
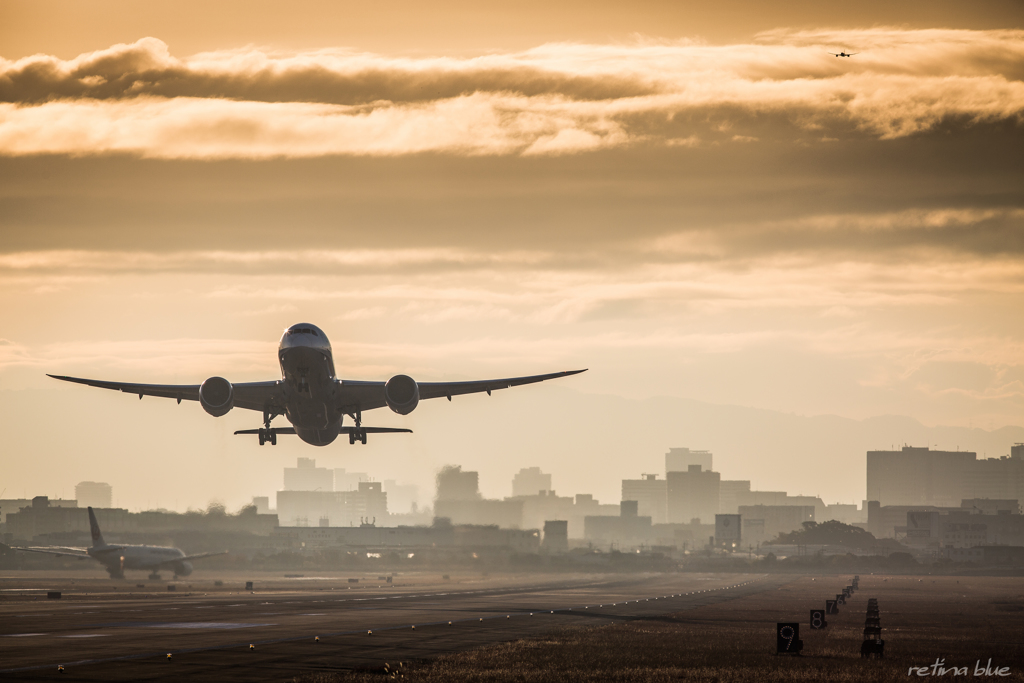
[[65, 261], [137, 357], [534, 290], [553, 100]]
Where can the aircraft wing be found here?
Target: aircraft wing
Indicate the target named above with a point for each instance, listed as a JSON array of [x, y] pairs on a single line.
[[189, 558], [249, 395], [358, 396], [64, 552]]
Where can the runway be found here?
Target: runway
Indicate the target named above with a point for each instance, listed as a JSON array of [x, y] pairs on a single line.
[[98, 633]]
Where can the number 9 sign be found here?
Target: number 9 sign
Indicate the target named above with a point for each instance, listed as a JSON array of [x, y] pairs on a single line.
[[787, 638]]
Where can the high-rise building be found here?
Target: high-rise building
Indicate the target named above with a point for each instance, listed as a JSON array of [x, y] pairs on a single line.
[[544, 506], [402, 498], [306, 476], [627, 530], [530, 481], [693, 494], [94, 494], [729, 493], [366, 505], [680, 459], [556, 535], [454, 484], [918, 476], [651, 495], [369, 503], [921, 476], [348, 481]]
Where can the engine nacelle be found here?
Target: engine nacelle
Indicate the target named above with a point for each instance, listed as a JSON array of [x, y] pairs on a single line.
[[182, 568], [402, 394], [216, 396]]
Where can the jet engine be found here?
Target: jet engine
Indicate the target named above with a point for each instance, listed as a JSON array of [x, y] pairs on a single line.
[[182, 568], [216, 396], [402, 394]]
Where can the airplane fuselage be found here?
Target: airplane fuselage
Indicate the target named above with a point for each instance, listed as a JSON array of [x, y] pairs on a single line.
[[307, 372], [117, 558]]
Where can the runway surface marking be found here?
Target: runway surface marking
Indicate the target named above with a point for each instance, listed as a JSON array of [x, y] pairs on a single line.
[[489, 612], [222, 625]]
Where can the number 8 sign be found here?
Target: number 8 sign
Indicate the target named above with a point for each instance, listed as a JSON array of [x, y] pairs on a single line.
[[818, 619], [787, 638]]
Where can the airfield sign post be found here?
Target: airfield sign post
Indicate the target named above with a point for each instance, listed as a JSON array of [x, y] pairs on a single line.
[[831, 607], [787, 638], [818, 619]]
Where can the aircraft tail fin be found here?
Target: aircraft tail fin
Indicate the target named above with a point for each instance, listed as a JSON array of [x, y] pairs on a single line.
[[97, 537]]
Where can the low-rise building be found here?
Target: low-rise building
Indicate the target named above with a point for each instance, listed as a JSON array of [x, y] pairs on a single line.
[[777, 519]]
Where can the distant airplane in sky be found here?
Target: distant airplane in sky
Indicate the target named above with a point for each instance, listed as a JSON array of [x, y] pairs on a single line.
[[117, 558], [843, 54], [309, 394]]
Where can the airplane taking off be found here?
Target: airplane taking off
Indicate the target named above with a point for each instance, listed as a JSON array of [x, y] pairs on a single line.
[[117, 558], [309, 394], [843, 54]]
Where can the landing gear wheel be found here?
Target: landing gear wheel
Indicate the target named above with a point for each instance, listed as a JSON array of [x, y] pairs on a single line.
[[357, 434], [263, 437], [273, 439]]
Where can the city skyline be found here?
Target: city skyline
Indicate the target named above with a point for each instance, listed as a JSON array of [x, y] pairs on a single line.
[[757, 248]]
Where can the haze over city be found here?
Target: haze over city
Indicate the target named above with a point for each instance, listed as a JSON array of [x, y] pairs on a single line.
[[755, 247]]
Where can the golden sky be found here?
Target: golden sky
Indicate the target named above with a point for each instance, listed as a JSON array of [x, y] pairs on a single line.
[[697, 201]]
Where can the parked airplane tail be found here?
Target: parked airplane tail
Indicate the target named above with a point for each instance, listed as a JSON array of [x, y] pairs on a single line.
[[97, 537]]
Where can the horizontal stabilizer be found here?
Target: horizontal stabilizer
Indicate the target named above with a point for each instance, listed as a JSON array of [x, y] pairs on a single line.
[[272, 430], [344, 430]]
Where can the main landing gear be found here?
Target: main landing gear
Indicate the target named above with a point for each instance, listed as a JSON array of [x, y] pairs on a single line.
[[267, 434], [358, 433]]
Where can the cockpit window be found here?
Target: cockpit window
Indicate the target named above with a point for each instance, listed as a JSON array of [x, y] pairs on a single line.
[[303, 330]]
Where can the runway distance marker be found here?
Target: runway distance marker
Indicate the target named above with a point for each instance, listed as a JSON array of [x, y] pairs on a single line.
[[787, 638]]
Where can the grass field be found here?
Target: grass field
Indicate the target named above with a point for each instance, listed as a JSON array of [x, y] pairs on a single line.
[[957, 620]]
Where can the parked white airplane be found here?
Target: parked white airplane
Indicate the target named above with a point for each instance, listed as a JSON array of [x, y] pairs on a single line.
[[309, 394], [117, 558]]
